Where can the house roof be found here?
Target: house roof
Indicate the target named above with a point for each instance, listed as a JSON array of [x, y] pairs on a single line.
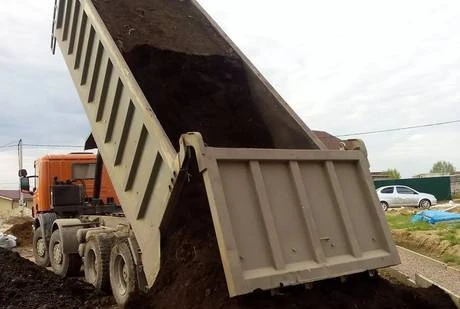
[[13, 195], [330, 141], [380, 175]]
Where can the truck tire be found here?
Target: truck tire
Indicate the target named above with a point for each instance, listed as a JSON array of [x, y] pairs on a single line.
[[40, 248], [96, 261], [123, 279], [64, 265]]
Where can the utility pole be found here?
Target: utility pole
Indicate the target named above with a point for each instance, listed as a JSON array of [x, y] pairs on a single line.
[[21, 195]]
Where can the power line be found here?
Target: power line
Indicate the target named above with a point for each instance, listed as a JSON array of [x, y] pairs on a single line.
[[10, 144], [52, 146], [402, 128], [42, 146]]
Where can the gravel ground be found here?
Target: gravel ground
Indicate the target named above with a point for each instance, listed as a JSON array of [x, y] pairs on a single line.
[[445, 276]]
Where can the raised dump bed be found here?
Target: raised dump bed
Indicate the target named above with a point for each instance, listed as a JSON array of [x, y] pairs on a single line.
[[285, 210]]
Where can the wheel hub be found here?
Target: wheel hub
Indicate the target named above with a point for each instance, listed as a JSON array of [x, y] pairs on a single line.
[[92, 269], [41, 248], [57, 253], [125, 273], [122, 275]]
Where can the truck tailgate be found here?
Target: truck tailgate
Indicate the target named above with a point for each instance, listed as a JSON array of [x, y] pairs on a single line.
[[285, 217]]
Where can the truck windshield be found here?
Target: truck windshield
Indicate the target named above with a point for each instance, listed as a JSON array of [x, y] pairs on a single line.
[[83, 170]]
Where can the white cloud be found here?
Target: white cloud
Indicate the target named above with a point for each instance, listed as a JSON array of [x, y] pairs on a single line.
[[354, 66]]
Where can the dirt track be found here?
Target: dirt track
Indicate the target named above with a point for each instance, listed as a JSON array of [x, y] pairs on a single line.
[[413, 263]]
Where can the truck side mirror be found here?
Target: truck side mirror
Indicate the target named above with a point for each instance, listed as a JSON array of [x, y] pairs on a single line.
[[22, 173], [25, 185]]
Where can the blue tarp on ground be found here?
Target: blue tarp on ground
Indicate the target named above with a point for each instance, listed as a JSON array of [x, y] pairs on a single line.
[[435, 216]]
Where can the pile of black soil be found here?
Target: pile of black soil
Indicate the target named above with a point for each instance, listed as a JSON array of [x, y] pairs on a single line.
[[23, 232], [174, 25], [189, 75], [206, 94], [24, 284]]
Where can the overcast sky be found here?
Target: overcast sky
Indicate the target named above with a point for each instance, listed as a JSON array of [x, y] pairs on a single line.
[[344, 66]]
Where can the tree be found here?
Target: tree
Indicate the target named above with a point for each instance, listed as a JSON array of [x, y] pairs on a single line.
[[443, 167], [393, 173]]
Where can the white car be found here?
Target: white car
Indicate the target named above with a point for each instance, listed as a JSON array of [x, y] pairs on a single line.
[[402, 196]]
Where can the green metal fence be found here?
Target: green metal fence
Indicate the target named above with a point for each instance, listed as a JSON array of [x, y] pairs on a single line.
[[438, 186]]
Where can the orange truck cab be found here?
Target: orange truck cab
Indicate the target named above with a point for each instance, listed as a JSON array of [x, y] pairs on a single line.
[[58, 177], [67, 189]]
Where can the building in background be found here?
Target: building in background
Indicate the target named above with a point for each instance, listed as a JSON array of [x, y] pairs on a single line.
[[455, 184], [330, 141], [9, 201], [380, 175], [428, 175]]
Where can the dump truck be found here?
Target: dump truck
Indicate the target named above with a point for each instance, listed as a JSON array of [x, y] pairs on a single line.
[[171, 99]]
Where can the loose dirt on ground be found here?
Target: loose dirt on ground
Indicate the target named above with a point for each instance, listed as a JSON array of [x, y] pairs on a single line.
[[25, 285], [22, 229], [413, 264]]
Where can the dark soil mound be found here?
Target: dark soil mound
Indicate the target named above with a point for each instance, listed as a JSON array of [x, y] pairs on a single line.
[[189, 75], [24, 285], [174, 25], [208, 94], [23, 232]]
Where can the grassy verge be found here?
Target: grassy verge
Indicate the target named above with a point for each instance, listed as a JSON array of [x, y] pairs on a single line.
[[403, 221], [447, 235], [450, 259]]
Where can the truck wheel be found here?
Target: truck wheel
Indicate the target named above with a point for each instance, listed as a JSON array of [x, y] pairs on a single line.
[[40, 248], [64, 265], [96, 263], [123, 279]]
